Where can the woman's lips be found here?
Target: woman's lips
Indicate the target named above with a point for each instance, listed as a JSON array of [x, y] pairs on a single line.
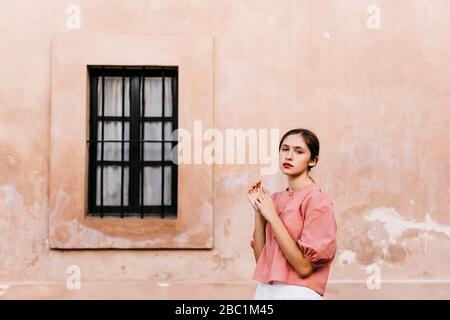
[[287, 165]]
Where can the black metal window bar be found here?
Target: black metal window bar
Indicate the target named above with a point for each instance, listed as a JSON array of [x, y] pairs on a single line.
[[136, 120]]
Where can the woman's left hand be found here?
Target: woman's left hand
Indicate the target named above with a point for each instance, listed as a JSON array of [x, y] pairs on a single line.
[[266, 205]]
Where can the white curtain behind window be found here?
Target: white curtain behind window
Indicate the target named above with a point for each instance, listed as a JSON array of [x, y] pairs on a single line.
[[152, 131]]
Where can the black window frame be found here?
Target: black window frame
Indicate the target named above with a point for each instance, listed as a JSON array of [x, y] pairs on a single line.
[[135, 162]]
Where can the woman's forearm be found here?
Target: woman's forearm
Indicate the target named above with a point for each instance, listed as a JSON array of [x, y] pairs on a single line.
[[290, 249], [260, 234]]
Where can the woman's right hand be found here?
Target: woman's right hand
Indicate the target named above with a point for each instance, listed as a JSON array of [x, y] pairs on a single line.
[[252, 194]]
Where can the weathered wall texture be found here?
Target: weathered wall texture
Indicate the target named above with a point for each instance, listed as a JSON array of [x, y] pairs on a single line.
[[377, 98]]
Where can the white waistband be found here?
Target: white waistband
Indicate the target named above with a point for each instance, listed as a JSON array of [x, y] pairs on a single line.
[[283, 290]]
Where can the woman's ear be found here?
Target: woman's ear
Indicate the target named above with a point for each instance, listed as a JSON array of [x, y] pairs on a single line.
[[313, 162]]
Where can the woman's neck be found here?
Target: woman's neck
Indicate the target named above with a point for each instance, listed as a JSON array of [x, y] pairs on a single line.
[[299, 182]]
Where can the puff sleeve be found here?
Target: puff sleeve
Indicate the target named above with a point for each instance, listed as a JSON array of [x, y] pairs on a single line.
[[318, 237]]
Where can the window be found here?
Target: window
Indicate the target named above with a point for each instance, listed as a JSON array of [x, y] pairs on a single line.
[[75, 217], [133, 112]]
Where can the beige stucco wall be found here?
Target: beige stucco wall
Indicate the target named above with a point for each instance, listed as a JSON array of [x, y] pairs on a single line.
[[377, 98]]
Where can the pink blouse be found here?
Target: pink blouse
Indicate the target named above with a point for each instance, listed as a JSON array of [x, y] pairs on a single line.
[[308, 216]]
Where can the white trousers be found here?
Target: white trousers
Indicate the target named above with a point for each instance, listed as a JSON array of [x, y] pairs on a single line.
[[282, 291]]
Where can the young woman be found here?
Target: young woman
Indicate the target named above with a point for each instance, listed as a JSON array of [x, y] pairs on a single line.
[[294, 241]]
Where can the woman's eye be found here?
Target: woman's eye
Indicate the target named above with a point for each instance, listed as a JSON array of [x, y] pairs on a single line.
[[298, 151]]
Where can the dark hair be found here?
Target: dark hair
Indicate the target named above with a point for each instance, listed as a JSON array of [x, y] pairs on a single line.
[[310, 138]]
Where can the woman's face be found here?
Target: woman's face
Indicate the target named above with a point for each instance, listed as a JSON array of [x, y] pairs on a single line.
[[295, 152]]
